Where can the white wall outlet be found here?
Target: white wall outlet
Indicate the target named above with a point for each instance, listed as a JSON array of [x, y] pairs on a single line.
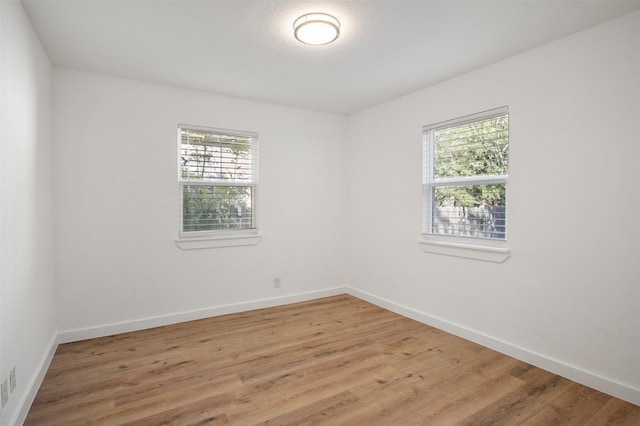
[[276, 282], [12, 379], [4, 390]]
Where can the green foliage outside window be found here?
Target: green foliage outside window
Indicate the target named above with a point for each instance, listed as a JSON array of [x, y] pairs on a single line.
[[475, 149], [208, 208]]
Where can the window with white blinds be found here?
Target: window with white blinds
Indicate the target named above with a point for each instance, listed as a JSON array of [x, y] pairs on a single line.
[[465, 172], [218, 180]]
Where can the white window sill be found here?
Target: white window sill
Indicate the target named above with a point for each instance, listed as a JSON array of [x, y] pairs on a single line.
[[217, 241], [468, 251]]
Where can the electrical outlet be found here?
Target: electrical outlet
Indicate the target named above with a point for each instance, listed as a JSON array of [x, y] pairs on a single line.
[[12, 379], [276, 282], [4, 390]]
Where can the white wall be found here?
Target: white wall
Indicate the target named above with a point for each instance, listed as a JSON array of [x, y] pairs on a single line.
[[569, 293], [27, 301], [116, 204]]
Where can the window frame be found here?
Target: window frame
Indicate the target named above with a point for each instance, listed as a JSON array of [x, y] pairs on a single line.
[[480, 248], [218, 237]]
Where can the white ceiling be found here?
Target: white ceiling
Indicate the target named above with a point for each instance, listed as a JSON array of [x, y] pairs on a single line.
[[246, 48]]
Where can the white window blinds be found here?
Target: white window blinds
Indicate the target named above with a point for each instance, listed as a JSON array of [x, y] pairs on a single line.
[[218, 180], [465, 172], [207, 156]]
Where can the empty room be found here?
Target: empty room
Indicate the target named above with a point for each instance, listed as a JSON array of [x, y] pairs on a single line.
[[319, 212]]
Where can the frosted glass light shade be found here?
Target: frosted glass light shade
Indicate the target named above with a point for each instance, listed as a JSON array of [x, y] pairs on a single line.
[[316, 29]]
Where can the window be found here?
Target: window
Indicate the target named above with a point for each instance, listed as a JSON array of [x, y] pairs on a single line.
[[218, 182], [465, 172]]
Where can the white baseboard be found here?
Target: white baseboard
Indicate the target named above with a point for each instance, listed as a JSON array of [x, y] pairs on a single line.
[[34, 384], [142, 324], [579, 375]]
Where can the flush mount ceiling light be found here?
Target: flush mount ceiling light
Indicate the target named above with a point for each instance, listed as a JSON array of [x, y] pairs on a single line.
[[316, 29]]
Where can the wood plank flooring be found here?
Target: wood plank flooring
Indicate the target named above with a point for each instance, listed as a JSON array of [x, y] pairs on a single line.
[[332, 361]]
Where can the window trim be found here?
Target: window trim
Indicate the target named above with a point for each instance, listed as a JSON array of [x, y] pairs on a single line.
[[193, 243], [492, 250], [224, 237]]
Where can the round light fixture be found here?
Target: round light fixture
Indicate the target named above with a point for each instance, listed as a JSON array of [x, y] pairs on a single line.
[[316, 29]]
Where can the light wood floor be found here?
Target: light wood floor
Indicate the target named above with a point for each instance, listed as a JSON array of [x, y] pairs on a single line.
[[333, 361]]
